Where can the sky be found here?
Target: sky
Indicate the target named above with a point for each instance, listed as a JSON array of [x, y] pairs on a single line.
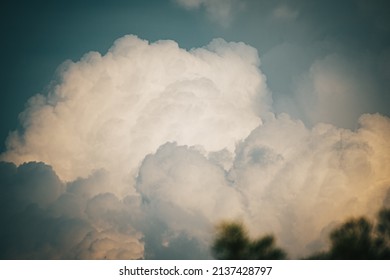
[[129, 129]]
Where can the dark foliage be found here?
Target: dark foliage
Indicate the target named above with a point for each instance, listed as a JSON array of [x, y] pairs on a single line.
[[232, 243], [356, 239], [359, 239]]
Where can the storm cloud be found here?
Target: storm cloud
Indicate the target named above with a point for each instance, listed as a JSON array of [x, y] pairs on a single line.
[[139, 152]]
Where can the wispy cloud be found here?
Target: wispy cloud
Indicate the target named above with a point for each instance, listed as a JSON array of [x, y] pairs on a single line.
[[220, 11], [285, 13]]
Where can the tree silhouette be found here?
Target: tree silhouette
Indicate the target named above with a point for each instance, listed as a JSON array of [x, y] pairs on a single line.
[[353, 240], [232, 243], [264, 249], [359, 239], [383, 233]]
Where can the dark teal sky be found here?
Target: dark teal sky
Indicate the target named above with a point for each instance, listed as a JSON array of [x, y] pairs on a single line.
[[37, 36]]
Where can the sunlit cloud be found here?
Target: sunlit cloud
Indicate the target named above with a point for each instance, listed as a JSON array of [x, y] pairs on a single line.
[[139, 152]]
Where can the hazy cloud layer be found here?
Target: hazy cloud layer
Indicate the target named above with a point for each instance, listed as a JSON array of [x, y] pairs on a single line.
[[285, 13], [138, 153]]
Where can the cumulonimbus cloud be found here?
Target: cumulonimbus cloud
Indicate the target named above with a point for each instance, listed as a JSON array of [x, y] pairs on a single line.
[[147, 147]]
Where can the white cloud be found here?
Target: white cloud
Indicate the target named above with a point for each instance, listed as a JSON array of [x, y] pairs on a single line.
[[183, 189], [109, 111]]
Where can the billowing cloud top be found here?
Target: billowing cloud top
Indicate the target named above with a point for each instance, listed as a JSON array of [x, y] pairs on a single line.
[[139, 152], [110, 111]]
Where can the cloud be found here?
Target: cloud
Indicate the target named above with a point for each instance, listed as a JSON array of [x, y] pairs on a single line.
[[298, 182], [221, 11], [138, 153], [286, 179], [186, 194], [43, 218], [104, 114], [110, 111]]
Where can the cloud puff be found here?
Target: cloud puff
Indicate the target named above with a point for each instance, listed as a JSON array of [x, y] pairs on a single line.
[[43, 218], [221, 11], [186, 194]]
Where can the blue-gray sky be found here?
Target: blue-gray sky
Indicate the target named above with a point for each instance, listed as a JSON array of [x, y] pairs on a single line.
[[131, 147]]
